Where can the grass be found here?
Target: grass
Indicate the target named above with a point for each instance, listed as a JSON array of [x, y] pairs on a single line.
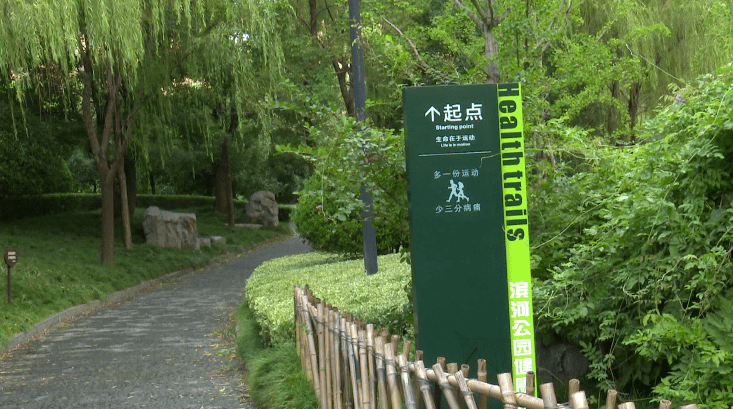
[[274, 375], [59, 261]]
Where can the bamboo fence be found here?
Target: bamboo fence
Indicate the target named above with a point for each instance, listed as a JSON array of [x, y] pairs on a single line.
[[353, 366]]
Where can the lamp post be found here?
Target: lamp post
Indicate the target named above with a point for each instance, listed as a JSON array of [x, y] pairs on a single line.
[[358, 81]]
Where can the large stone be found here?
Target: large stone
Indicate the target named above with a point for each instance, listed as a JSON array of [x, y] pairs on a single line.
[[561, 360], [170, 229], [262, 208]]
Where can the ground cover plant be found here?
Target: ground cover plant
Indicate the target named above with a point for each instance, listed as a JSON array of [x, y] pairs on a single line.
[[274, 374], [380, 299], [59, 264]]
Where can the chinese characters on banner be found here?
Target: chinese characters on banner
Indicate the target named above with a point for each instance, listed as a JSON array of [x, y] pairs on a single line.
[[514, 189]]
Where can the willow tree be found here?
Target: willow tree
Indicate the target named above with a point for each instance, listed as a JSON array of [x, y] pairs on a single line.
[[637, 48], [125, 53]]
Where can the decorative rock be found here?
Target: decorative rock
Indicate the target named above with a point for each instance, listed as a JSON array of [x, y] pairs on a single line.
[[204, 241], [563, 360], [262, 208], [218, 239], [170, 229]]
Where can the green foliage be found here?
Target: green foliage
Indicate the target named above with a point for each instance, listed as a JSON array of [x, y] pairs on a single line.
[[345, 158], [274, 375], [380, 298], [645, 238], [32, 151], [82, 167]]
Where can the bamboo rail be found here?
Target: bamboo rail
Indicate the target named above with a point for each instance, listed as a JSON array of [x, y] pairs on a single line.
[[353, 366]]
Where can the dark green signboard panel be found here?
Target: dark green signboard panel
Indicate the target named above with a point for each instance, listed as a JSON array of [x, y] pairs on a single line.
[[459, 227]]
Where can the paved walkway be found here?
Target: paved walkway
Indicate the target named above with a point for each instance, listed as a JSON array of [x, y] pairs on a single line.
[[157, 350]]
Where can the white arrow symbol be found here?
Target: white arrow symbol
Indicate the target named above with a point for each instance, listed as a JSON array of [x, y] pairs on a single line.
[[432, 111]]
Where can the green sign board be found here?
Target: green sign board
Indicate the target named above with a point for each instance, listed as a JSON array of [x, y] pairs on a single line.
[[468, 227]]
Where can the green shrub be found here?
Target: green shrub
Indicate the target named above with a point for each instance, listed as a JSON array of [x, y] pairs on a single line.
[[647, 271], [380, 299], [329, 208]]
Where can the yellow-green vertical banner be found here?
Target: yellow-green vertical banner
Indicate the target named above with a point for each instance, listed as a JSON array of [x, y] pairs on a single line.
[[516, 232]]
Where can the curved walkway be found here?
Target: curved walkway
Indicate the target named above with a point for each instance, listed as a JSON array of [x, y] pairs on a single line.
[[157, 350]]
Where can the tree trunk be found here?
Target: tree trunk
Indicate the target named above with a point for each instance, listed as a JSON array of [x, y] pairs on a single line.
[[131, 176], [633, 109], [220, 202], [347, 93], [491, 50], [151, 178], [99, 146], [224, 202], [106, 181], [126, 233]]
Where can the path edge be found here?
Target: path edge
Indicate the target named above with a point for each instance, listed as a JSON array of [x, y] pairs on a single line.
[[118, 296]]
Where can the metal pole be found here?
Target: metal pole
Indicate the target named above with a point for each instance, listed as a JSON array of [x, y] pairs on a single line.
[[358, 80], [9, 291]]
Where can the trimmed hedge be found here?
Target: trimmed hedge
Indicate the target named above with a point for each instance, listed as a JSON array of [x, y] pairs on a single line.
[[16, 208], [380, 299]]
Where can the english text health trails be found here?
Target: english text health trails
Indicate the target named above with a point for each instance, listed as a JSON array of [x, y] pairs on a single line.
[[512, 163]]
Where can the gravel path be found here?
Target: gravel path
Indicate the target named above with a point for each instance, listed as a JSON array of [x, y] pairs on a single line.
[[160, 349]]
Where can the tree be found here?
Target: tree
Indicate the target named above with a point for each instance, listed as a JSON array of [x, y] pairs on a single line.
[[124, 53]]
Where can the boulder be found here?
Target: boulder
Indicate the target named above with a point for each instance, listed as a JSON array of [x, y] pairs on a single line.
[[561, 360], [262, 208], [170, 229]]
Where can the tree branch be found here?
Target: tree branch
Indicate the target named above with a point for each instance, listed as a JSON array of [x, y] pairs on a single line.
[[502, 17], [470, 14], [414, 48]]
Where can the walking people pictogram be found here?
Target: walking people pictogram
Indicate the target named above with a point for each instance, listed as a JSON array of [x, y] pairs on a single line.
[[457, 191]]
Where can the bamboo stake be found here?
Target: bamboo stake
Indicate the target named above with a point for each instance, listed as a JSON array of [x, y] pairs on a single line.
[[573, 387], [467, 394], [406, 344], [336, 361], [690, 406], [312, 350], [446, 387], [372, 370], [523, 400], [331, 367], [664, 404], [353, 364], [381, 373], [363, 360], [347, 363], [530, 383], [438, 392], [631, 405], [578, 401], [322, 355], [395, 343], [405, 375], [611, 400], [482, 376], [547, 390], [422, 377], [506, 387], [465, 370], [452, 368], [296, 316], [416, 386], [394, 391]]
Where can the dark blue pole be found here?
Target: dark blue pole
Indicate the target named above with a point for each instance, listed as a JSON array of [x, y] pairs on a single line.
[[358, 81]]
